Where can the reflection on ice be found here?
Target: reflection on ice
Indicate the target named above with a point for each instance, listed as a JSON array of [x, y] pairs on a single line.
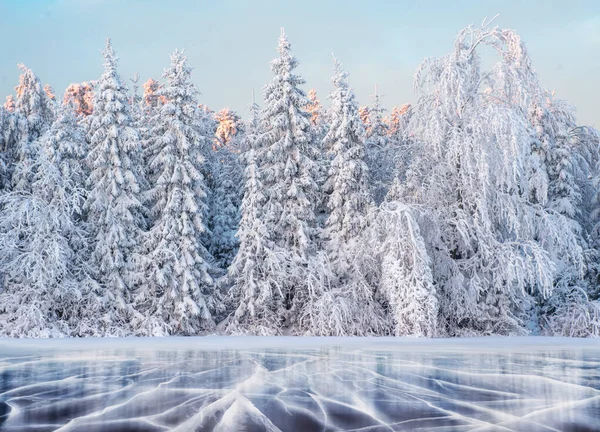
[[375, 385]]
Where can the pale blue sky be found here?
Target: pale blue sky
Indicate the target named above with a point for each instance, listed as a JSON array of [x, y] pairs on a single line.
[[230, 42]]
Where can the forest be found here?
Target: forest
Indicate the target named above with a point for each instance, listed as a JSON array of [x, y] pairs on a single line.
[[136, 210]]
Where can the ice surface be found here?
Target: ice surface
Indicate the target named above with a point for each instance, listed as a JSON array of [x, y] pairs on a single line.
[[299, 384]]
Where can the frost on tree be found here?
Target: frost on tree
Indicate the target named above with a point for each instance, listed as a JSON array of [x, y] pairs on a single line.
[[179, 295], [113, 204], [346, 188], [288, 174], [338, 298], [48, 288], [224, 211], [256, 293], [380, 155], [277, 228], [33, 115], [81, 96], [226, 174], [404, 277], [472, 174]]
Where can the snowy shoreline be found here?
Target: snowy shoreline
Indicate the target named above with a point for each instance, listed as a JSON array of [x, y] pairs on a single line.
[[492, 343]]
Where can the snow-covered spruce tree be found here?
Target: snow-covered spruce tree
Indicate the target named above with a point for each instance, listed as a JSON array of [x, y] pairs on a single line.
[[179, 295], [399, 137], [339, 302], [380, 155], [256, 293], [226, 181], [403, 272], [277, 228], [288, 170], [5, 157], [113, 204], [34, 113], [224, 211], [48, 290], [346, 188], [471, 177]]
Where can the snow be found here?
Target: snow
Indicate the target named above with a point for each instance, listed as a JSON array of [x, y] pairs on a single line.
[[299, 384]]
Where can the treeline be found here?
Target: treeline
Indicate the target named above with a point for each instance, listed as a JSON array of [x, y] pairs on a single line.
[[473, 212]]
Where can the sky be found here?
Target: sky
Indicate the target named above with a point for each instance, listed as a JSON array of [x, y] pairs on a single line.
[[229, 43]]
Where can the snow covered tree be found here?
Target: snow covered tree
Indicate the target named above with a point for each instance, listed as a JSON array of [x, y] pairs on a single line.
[[339, 301], [380, 155], [399, 137], [256, 294], [179, 295], [34, 113], [113, 204], [404, 273], [224, 212], [346, 187], [490, 245], [48, 288], [315, 109], [277, 228], [288, 173], [81, 96], [33, 104], [229, 125], [150, 97], [9, 103], [5, 157]]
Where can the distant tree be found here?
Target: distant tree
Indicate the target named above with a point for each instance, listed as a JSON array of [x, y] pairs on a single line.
[[34, 114], [81, 96], [9, 104], [229, 124]]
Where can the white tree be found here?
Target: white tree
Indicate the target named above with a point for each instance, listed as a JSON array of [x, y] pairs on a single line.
[[380, 155], [471, 173], [346, 187], [179, 295], [405, 278], [287, 166], [33, 115], [113, 204], [224, 211], [256, 292], [48, 288]]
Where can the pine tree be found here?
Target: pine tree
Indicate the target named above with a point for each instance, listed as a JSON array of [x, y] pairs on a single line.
[[179, 296], [48, 288], [380, 156], [34, 114], [224, 212], [339, 303], [113, 204], [254, 271], [346, 187], [288, 173], [33, 104], [81, 96]]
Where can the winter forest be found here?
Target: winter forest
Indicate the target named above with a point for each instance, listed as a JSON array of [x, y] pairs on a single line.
[[134, 209]]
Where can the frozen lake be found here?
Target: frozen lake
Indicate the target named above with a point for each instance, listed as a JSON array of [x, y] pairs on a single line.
[[299, 384]]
